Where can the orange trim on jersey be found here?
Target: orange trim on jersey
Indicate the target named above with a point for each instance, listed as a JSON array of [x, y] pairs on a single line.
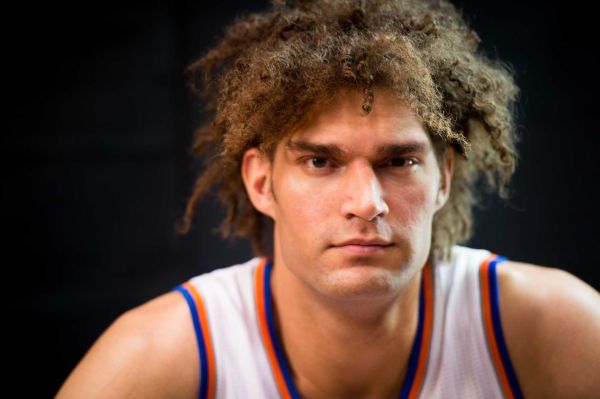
[[210, 354], [427, 332], [259, 290], [486, 308]]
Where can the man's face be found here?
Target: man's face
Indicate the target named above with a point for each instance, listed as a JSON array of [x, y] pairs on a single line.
[[353, 196]]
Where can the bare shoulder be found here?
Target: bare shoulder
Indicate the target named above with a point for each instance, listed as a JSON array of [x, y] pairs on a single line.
[[149, 351], [551, 320]]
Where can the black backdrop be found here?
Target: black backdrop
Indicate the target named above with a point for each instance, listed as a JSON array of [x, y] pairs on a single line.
[[96, 128]]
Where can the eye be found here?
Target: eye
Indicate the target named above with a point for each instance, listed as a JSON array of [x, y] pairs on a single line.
[[318, 165], [318, 162], [400, 162]]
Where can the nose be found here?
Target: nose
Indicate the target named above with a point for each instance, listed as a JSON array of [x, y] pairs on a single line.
[[363, 194]]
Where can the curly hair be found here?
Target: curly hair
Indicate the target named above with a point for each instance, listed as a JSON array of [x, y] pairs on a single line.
[[270, 68]]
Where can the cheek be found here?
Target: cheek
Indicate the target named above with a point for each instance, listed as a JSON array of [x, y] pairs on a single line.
[[411, 205], [302, 204]]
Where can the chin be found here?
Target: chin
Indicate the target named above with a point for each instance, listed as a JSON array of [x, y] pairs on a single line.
[[362, 281]]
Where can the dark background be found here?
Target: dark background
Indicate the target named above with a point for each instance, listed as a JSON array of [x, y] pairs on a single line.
[[95, 134]]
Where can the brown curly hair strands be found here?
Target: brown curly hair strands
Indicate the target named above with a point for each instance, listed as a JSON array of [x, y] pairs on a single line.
[[271, 68]]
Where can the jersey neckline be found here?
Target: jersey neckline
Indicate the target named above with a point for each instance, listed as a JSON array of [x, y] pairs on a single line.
[[417, 364]]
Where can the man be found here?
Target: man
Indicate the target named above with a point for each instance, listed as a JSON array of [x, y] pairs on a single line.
[[359, 129]]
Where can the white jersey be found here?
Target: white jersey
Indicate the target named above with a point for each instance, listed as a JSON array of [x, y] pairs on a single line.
[[458, 351]]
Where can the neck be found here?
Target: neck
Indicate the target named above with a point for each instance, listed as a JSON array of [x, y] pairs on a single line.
[[345, 347]]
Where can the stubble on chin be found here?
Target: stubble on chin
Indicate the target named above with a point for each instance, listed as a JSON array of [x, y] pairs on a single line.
[[362, 277]]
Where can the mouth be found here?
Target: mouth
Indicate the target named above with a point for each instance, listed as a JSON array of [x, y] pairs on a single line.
[[363, 247]]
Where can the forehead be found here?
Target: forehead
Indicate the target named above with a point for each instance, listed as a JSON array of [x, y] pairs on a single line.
[[343, 123]]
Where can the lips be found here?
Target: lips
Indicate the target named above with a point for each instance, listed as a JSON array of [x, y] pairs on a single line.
[[363, 247], [365, 242]]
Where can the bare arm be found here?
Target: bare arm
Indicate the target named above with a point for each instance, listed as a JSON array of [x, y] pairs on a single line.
[[552, 325], [147, 352]]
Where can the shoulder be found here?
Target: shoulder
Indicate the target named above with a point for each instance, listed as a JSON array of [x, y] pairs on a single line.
[[551, 321], [149, 351]]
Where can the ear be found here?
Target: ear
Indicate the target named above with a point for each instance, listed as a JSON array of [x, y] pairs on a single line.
[[256, 173], [446, 172]]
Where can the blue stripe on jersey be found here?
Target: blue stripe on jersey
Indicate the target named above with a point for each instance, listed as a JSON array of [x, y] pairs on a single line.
[[200, 341], [278, 351], [495, 304], [416, 349]]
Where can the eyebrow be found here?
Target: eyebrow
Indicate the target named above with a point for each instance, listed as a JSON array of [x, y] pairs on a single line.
[[329, 150], [391, 150], [333, 151]]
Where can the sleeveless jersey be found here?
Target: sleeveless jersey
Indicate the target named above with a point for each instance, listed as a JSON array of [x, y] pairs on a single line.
[[458, 351]]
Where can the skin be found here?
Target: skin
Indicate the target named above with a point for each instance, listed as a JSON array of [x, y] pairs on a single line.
[[360, 297]]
